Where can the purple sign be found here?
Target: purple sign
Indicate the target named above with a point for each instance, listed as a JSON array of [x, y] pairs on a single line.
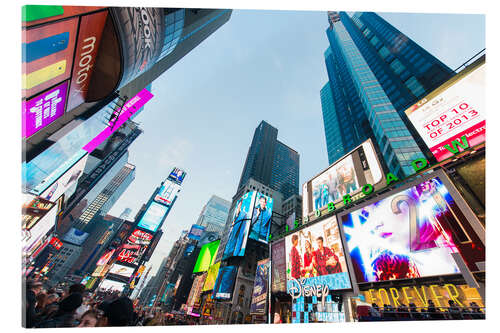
[[128, 110], [43, 109]]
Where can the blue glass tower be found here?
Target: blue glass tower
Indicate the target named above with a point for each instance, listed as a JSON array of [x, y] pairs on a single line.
[[375, 72]]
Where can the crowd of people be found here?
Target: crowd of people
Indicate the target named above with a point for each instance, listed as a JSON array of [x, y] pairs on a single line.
[[411, 312]]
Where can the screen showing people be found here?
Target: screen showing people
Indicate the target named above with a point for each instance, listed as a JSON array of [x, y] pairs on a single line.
[[224, 283], [409, 234], [315, 254], [261, 218]]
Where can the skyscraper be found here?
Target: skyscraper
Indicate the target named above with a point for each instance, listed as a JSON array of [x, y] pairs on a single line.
[[214, 214], [271, 162], [375, 72]]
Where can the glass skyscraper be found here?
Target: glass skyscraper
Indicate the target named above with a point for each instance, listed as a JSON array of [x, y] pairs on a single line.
[[271, 162], [375, 72], [214, 214]]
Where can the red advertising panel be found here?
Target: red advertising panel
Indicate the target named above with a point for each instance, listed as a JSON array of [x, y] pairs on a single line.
[[47, 55], [89, 38], [56, 243], [137, 243], [37, 14]]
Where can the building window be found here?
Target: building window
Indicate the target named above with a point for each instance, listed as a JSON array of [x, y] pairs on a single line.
[[414, 86], [397, 66]]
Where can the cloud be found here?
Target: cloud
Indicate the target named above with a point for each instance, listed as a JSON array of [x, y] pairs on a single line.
[[174, 153]]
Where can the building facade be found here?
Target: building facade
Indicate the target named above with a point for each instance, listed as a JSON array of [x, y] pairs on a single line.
[[214, 215]]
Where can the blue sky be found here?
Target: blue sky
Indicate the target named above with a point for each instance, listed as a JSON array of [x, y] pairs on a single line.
[[261, 65]]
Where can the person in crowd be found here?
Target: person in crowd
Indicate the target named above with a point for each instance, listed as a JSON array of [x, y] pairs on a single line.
[[433, 312], [89, 319], [375, 312], [65, 315], [414, 314], [119, 312], [33, 288], [476, 311], [326, 260], [295, 258], [41, 302], [453, 310], [402, 312], [51, 306]]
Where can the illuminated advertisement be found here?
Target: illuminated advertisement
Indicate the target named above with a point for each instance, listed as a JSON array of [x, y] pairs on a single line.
[[411, 233], [34, 234], [346, 176], [89, 39], [212, 273], [56, 243], [137, 276], [47, 55], [261, 218], [290, 221], [37, 14], [34, 209], [121, 270], [75, 236], [64, 183], [260, 288], [106, 257], [153, 217], [111, 285], [193, 300], [452, 112], [278, 266], [224, 284], [189, 249], [208, 237], [43, 109], [137, 243], [196, 232], [315, 258], [177, 175], [167, 193], [206, 257], [238, 234]]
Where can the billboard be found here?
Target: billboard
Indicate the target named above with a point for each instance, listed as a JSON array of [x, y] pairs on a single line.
[[89, 38], [33, 210], [43, 109], [206, 257], [238, 233], [35, 228], [177, 175], [135, 246], [122, 270], [346, 176], [153, 217], [212, 273], [47, 55], [167, 193], [196, 232], [224, 284], [75, 236], [105, 258], [66, 181], [137, 276], [261, 218], [315, 257], [37, 14], [454, 110], [412, 233], [260, 288], [111, 285], [278, 266], [193, 300]]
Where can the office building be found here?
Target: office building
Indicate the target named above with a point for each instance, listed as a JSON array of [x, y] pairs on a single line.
[[214, 215], [375, 72]]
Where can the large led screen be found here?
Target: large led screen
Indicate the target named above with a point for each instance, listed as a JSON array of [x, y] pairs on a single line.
[[260, 288], [316, 255], [261, 218], [278, 266], [224, 284], [167, 193], [135, 246], [454, 110], [212, 273], [122, 270], [206, 257], [111, 285], [152, 218], [410, 234], [177, 175], [196, 232], [38, 218], [238, 233]]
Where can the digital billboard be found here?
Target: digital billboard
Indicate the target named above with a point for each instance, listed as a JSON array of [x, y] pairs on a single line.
[[37, 14], [137, 276], [278, 266], [75, 236], [167, 193], [315, 257], [208, 237], [224, 284], [135, 246], [111, 285], [34, 234], [346, 176], [43, 109], [261, 218], [196, 232], [122, 270], [260, 288], [105, 258], [193, 300], [206, 257], [412, 233], [177, 175], [33, 210], [153, 217], [454, 110], [241, 220], [212, 273]]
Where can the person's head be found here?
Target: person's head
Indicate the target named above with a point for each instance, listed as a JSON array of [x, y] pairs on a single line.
[[319, 241], [89, 319], [52, 298], [451, 302], [295, 240], [308, 246], [374, 305], [71, 303], [119, 312], [41, 300], [36, 287], [430, 302], [262, 202], [76, 288]]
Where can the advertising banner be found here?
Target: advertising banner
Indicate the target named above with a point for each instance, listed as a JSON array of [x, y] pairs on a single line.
[[259, 295], [208, 237], [151, 220], [75, 236], [137, 243], [177, 175], [193, 300], [38, 14], [34, 232], [278, 266], [47, 55], [206, 257], [196, 232], [238, 233], [212, 273], [167, 193], [410, 234], [454, 110], [137, 276], [261, 218], [315, 259], [224, 284], [43, 109], [121, 270], [111, 285], [33, 210], [106, 257], [89, 38]]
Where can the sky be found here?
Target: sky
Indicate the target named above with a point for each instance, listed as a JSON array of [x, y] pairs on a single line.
[[260, 65]]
